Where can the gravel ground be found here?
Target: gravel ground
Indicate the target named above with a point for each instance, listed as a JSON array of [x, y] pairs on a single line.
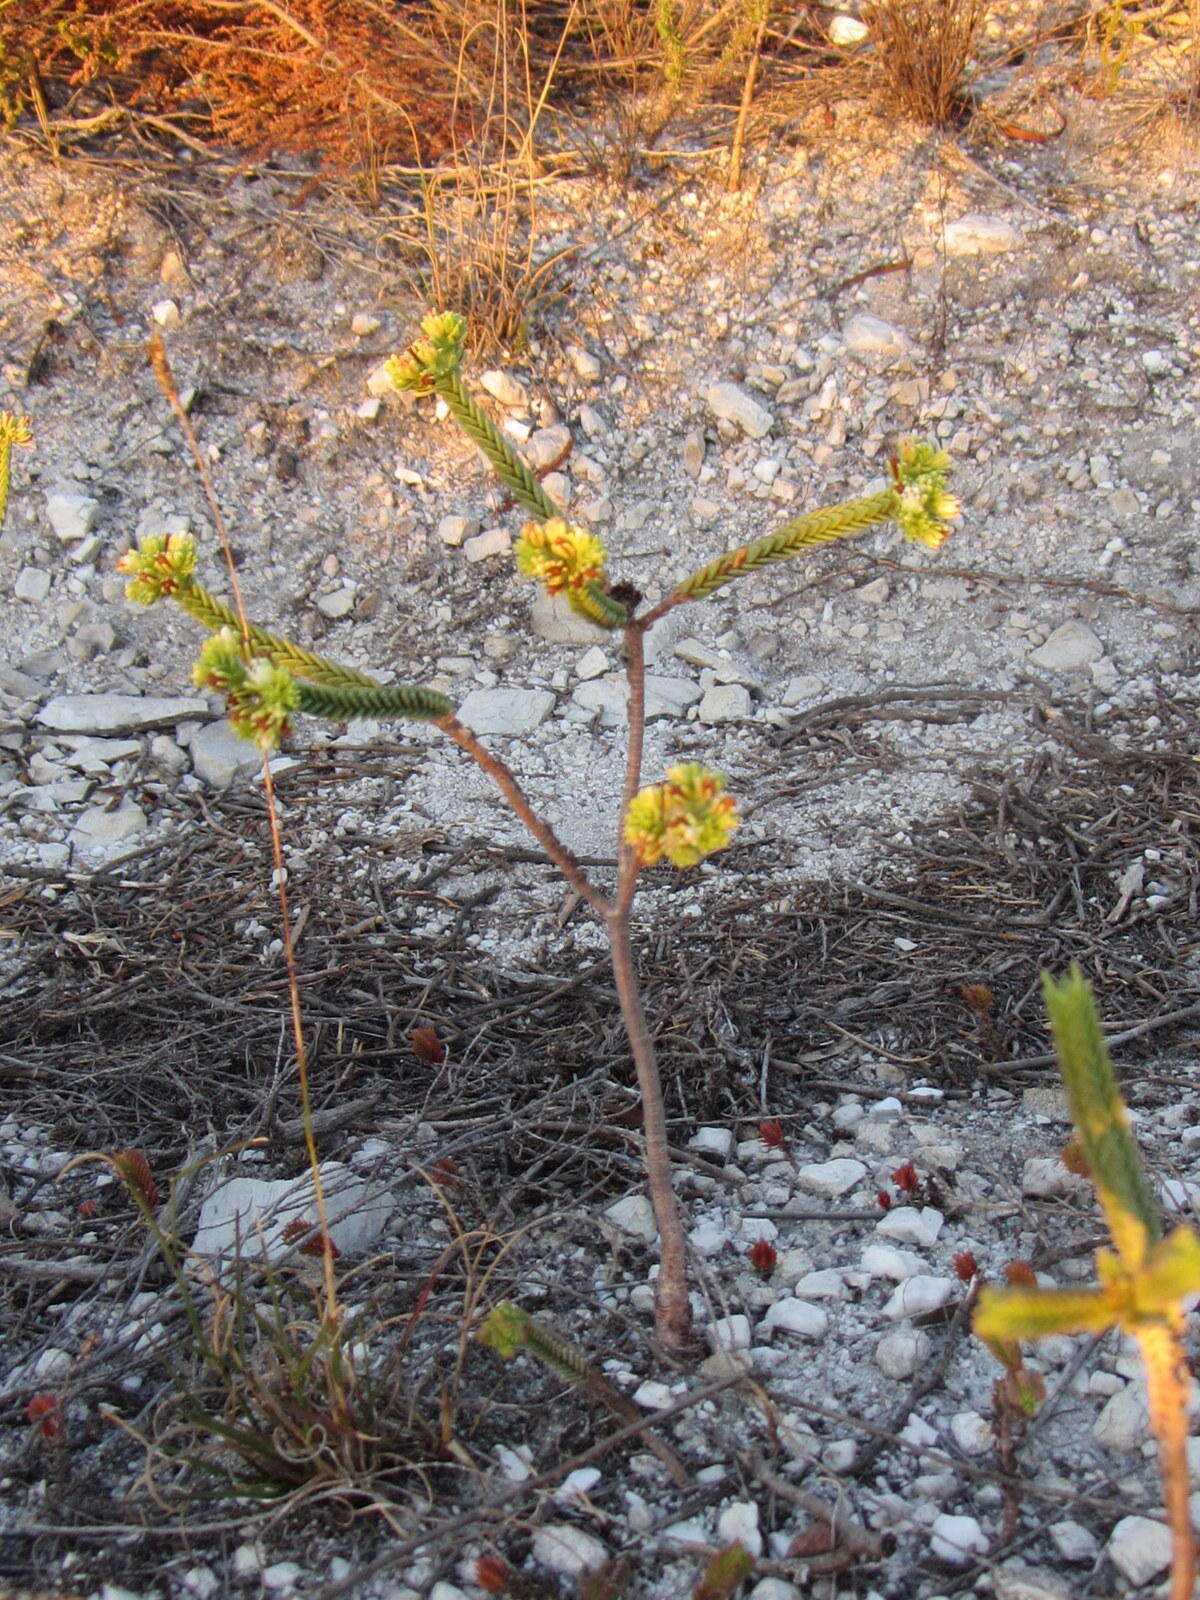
[[716, 364]]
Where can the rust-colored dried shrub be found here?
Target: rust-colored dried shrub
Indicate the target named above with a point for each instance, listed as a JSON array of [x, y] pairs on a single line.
[[356, 80]]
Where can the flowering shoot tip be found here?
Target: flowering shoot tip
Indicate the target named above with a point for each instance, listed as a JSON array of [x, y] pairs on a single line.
[[685, 818], [162, 564], [261, 696], [434, 356], [559, 555], [926, 507], [14, 429]]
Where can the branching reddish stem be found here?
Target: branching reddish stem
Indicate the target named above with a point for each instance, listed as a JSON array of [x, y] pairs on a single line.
[[672, 1309], [501, 775], [673, 1312]]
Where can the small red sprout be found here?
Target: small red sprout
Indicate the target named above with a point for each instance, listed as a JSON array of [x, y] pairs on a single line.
[[905, 1178], [318, 1244], [770, 1131], [1020, 1275], [763, 1257], [135, 1169], [87, 1209], [43, 1409], [427, 1047], [492, 1575], [883, 1199], [965, 1266]]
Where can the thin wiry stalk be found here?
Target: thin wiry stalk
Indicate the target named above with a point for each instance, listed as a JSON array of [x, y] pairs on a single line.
[[166, 382]]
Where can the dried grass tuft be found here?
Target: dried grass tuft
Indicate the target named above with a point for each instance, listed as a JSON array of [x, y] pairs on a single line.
[[924, 50]]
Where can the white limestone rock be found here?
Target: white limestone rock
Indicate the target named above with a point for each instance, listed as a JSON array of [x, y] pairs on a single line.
[[731, 403], [33, 584], [738, 1524], [824, 1284], [552, 619], [670, 697], [715, 1142], [1028, 1583], [633, 1214], [491, 542], [831, 1178], [957, 1540], [1140, 1549], [886, 1261], [972, 1433], [502, 386], [730, 1333], [220, 757], [653, 1396], [900, 1353], [908, 1225], [979, 235], [454, 531], [570, 1551], [796, 1316], [1073, 1541], [97, 830], [918, 1296], [866, 335], [338, 603], [1124, 1423], [608, 696], [725, 702], [116, 713], [546, 446], [1070, 648], [593, 663], [249, 1215], [71, 515], [507, 712], [1049, 1178], [708, 1238], [775, 1589], [847, 32]]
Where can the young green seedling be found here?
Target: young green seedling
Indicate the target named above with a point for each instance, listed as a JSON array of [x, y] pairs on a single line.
[[687, 816], [1142, 1281]]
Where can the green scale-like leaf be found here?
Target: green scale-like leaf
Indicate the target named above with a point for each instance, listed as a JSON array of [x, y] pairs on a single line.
[[802, 533], [1099, 1112], [214, 615], [514, 473], [380, 700]]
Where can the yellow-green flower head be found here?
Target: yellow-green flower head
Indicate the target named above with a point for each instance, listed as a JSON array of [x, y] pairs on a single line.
[[559, 555], [162, 564], [261, 696], [14, 429], [685, 819], [435, 355], [926, 508]]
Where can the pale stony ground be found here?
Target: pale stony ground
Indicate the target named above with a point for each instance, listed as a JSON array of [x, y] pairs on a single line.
[[712, 372]]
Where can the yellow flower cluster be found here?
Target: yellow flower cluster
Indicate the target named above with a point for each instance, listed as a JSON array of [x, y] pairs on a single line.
[[559, 555], [161, 565], [14, 429], [685, 819], [261, 696], [926, 508], [435, 355]]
